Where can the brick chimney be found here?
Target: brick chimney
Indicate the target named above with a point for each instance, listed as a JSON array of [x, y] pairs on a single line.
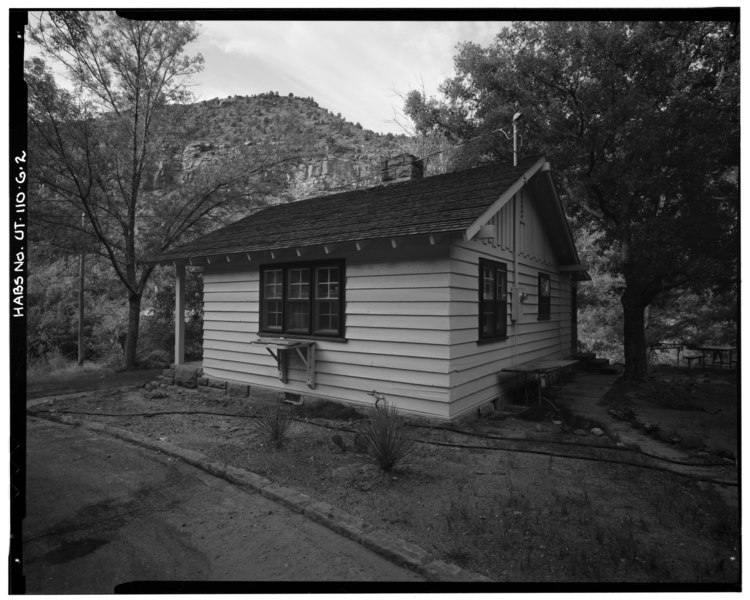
[[403, 167]]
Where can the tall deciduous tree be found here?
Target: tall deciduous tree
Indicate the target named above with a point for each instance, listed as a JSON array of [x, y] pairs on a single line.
[[640, 119], [98, 147]]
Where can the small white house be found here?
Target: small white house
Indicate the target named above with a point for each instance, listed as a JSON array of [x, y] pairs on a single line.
[[421, 289]]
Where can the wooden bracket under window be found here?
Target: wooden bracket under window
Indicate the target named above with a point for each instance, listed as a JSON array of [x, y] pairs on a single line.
[[279, 348]]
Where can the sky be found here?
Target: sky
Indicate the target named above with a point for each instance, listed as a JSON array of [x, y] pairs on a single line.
[[357, 68], [360, 69]]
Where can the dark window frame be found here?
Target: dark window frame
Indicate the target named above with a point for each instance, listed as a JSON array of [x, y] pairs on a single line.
[[314, 303], [544, 301], [499, 306]]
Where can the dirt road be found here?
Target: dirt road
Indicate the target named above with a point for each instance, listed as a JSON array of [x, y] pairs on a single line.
[[101, 512]]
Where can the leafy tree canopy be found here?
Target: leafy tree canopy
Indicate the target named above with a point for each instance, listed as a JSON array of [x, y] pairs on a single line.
[[641, 123], [97, 148]]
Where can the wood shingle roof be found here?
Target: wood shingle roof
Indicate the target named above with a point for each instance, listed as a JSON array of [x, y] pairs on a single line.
[[438, 204]]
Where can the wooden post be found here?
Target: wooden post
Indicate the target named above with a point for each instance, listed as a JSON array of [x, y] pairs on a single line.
[[81, 275], [179, 314]]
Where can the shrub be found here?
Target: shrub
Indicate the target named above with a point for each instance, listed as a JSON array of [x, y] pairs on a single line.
[[156, 359], [273, 421], [385, 436]]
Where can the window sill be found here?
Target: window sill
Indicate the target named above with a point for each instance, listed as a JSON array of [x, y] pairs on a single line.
[[296, 336]]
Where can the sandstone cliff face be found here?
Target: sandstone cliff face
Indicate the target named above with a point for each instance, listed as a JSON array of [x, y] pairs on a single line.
[[210, 131], [311, 178], [332, 175], [180, 164]]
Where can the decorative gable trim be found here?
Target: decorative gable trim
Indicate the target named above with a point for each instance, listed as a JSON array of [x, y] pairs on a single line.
[[496, 206]]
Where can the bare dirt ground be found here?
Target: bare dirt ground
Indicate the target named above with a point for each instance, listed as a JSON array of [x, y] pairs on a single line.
[[531, 498], [695, 410], [87, 378]]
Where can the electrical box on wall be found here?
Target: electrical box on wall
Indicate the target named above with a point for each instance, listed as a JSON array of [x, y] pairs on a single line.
[[516, 297]]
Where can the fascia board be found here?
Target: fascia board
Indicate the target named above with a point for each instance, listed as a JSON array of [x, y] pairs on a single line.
[[567, 233]]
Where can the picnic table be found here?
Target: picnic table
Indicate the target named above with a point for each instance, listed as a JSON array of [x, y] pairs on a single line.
[[542, 369], [716, 354], [656, 348]]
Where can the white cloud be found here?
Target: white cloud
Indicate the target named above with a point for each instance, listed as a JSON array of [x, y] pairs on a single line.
[[353, 67]]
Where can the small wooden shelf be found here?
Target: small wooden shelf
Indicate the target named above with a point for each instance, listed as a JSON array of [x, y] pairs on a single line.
[[280, 348]]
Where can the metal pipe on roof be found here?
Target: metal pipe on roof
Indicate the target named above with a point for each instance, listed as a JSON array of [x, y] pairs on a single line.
[[517, 117]]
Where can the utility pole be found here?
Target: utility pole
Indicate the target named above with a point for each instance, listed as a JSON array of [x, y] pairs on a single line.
[[80, 298]]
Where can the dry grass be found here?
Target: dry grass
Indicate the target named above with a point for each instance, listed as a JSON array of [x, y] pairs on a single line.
[[57, 375], [57, 368]]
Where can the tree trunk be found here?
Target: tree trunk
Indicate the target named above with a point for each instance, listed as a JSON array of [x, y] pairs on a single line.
[[81, 339], [636, 363], [134, 319]]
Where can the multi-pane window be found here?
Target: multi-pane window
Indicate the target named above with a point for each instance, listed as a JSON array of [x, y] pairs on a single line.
[[327, 299], [545, 296], [493, 287], [303, 299], [298, 300], [273, 300]]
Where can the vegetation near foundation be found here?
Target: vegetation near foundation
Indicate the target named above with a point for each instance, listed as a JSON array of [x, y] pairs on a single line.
[[273, 421], [385, 436]]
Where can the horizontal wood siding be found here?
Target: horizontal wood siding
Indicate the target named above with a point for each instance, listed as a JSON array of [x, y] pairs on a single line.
[[476, 369], [566, 317], [397, 331]]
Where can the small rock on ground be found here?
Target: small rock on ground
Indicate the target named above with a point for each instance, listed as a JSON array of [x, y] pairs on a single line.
[[355, 472]]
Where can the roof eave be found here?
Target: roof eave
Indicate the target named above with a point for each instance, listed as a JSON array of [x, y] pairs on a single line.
[[357, 244], [567, 233]]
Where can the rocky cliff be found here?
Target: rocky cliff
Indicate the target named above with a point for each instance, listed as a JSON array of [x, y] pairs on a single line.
[[334, 153]]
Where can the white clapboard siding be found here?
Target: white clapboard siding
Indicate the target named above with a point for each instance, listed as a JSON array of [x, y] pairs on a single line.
[[440, 308], [414, 399], [242, 296], [565, 314], [476, 369], [244, 286], [397, 334], [225, 306], [398, 322], [397, 295], [376, 349], [240, 273], [326, 366], [244, 326], [400, 281], [242, 371], [404, 361], [229, 317], [244, 337]]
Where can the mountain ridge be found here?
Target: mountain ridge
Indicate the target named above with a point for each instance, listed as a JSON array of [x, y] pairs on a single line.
[[333, 151]]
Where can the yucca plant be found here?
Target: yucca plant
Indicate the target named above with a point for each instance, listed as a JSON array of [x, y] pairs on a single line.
[[385, 437], [273, 420]]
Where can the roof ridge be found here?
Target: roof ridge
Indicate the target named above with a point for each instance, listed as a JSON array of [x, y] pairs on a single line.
[[445, 202], [400, 184]]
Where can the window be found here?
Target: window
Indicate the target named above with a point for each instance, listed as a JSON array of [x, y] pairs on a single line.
[[544, 297], [493, 287], [305, 299]]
